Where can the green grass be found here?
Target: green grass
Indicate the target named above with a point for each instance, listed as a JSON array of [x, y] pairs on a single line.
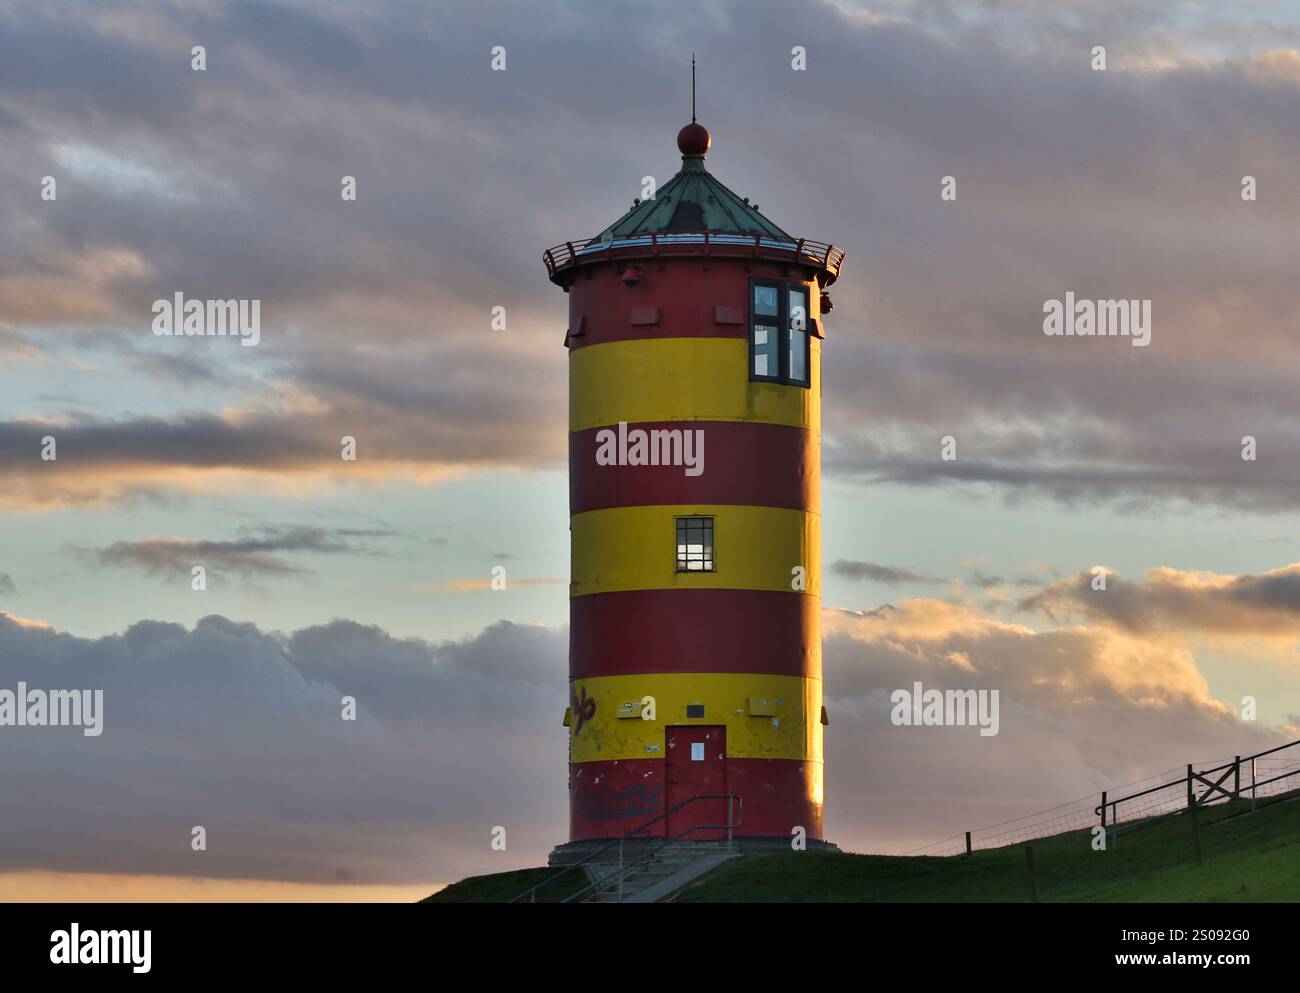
[[502, 887], [1245, 857], [1255, 857]]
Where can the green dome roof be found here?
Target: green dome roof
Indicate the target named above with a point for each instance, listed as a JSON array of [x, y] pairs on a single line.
[[693, 215], [693, 202]]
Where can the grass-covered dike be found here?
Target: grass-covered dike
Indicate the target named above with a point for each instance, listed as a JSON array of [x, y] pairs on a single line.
[[1251, 857]]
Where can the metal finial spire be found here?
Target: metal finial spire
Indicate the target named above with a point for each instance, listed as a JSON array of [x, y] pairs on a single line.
[[692, 87]]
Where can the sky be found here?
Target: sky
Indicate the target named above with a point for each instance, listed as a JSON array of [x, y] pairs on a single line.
[[371, 577]]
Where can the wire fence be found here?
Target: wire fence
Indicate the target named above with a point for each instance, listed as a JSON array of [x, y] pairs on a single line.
[[1252, 777]]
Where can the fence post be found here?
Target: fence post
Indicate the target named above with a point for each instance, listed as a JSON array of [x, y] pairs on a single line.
[[1191, 812], [1103, 813], [1033, 883], [1236, 778], [1252, 784], [967, 842]]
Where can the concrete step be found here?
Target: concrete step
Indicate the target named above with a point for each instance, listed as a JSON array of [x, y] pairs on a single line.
[[611, 895], [657, 879]]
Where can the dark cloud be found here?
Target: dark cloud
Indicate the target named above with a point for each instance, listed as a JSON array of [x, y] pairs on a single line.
[[7, 584], [101, 460], [239, 730], [1123, 183], [258, 555], [984, 581], [890, 575]]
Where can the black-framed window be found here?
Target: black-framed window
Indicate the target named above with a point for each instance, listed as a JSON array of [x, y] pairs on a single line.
[[779, 322], [695, 544]]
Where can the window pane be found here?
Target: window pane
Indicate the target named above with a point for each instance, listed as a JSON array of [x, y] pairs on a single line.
[[798, 357], [695, 544], [765, 300], [798, 310], [764, 350]]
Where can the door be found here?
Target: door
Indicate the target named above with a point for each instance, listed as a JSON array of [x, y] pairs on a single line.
[[695, 764]]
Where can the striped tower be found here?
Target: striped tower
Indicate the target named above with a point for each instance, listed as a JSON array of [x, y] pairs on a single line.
[[695, 329]]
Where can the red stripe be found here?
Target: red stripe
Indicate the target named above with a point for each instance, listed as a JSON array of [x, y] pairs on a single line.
[[606, 799], [762, 631], [687, 295], [746, 463]]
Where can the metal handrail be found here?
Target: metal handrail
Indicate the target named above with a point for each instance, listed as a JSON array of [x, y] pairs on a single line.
[[1181, 780], [531, 892], [817, 253], [623, 870]]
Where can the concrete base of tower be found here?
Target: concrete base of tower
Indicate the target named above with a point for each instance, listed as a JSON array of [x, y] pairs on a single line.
[[576, 851]]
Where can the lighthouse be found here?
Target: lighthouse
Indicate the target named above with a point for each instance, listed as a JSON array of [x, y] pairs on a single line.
[[695, 384]]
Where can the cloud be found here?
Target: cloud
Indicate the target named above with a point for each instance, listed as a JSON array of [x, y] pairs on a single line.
[[1264, 606], [293, 449], [7, 584], [917, 636], [25, 622], [478, 585], [117, 173], [225, 184], [890, 575], [236, 729], [239, 730], [78, 285], [1081, 710], [378, 310], [251, 556]]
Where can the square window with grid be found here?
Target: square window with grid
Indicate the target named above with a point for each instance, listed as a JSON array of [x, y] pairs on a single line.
[[695, 544]]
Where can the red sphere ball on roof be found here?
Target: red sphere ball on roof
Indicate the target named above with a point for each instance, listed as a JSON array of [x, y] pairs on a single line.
[[694, 139]]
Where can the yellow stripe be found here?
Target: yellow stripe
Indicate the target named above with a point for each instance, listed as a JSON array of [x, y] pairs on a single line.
[[793, 702], [635, 548], [672, 379]]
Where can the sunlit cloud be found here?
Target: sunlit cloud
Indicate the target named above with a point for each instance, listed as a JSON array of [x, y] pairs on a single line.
[[1263, 607]]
